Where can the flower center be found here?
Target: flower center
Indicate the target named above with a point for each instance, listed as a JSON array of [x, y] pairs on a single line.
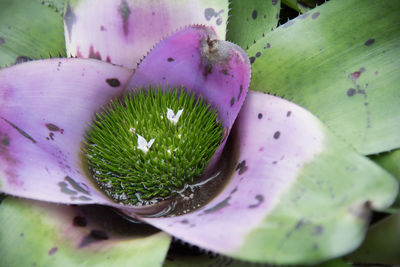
[[145, 147]]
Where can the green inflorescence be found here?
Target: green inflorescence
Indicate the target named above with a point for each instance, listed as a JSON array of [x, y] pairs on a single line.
[[131, 169]]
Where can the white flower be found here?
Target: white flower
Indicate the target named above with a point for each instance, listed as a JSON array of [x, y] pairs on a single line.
[[143, 144], [172, 116]]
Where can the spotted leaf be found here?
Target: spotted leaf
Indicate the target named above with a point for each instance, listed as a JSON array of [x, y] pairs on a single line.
[[293, 180], [122, 32]]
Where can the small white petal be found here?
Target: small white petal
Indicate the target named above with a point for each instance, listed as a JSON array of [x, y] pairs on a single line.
[[132, 130], [172, 116], [143, 144]]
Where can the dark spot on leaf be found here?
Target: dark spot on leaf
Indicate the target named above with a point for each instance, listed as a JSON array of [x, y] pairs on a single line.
[[288, 24], [22, 59], [242, 167], [52, 251], [369, 42], [240, 92], [355, 75], [113, 82], [218, 206], [23, 133], [209, 13], [69, 19], [79, 221], [258, 54], [94, 55], [125, 12], [365, 103], [277, 17], [318, 230], [315, 15], [288, 113], [303, 16], [315, 246], [208, 68], [52, 127], [252, 59], [277, 134], [94, 236], [351, 92], [274, 2], [83, 198], [75, 185], [234, 190], [265, 16], [64, 189], [260, 199], [2, 41], [5, 141], [170, 59], [299, 224], [254, 14], [259, 115], [232, 101]]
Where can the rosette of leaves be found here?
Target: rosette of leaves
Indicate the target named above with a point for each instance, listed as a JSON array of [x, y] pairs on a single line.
[[299, 184]]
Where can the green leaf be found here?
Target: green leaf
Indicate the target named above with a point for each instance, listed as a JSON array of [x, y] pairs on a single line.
[[306, 198], [326, 212], [29, 30], [34, 233], [251, 20], [302, 6], [294, 4], [382, 244], [391, 162], [343, 71]]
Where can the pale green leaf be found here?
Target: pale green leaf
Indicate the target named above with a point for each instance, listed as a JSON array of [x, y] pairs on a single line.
[[391, 162], [340, 61], [34, 233], [29, 30], [251, 20]]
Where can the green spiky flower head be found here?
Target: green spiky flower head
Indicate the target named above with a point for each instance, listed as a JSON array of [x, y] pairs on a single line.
[[145, 147]]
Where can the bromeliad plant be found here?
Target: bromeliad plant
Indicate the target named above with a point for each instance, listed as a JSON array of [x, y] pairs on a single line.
[[167, 133]]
